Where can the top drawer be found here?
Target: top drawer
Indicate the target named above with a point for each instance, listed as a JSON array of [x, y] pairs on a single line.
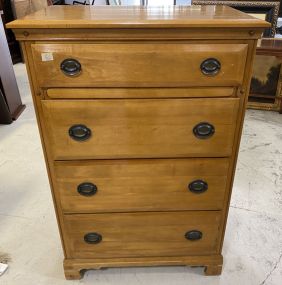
[[139, 65]]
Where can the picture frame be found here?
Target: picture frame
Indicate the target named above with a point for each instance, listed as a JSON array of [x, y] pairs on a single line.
[[267, 10], [266, 83]]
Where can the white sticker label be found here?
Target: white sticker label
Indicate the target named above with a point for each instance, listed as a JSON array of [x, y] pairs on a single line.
[[47, 56], [3, 268]]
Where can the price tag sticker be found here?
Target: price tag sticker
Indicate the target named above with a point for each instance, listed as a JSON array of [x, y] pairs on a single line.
[[3, 268], [47, 56]]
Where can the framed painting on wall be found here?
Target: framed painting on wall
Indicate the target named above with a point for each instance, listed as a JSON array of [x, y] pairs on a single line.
[[266, 83]]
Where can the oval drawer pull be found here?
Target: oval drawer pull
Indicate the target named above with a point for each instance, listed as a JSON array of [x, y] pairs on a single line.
[[87, 189], [93, 238], [198, 186], [79, 132], [210, 66], [70, 67], [203, 130], [193, 235]]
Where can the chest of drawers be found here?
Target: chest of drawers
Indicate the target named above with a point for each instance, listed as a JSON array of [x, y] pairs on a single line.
[[140, 112]]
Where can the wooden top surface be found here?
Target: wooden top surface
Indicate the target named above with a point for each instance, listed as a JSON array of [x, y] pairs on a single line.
[[137, 17]]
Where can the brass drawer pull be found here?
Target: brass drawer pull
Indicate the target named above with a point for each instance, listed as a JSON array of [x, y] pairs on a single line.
[[87, 189], [198, 186], [203, 130], [210, 66], [92, 238], [193, 235], [79, 132], [71, 67]]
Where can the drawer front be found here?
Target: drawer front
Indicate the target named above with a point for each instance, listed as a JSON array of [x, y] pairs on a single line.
[[141, 185], [140, 128], [137, 65], [142, 234]]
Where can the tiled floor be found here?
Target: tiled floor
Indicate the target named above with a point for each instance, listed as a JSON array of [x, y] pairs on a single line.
[[28, 231]]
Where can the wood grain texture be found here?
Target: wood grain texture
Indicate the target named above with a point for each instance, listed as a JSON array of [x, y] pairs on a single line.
[[150, 17], [140, 128], [74, 268], [141, 185], [163, 122], [237, 139], [35, 90], [139, 93], [142, 234], [136, 34], [140, 65], [212, 270]]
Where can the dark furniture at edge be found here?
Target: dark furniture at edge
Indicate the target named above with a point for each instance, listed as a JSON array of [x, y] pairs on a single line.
[[10, 101]]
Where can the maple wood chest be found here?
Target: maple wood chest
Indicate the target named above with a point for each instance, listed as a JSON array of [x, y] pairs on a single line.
[[140, 112]]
